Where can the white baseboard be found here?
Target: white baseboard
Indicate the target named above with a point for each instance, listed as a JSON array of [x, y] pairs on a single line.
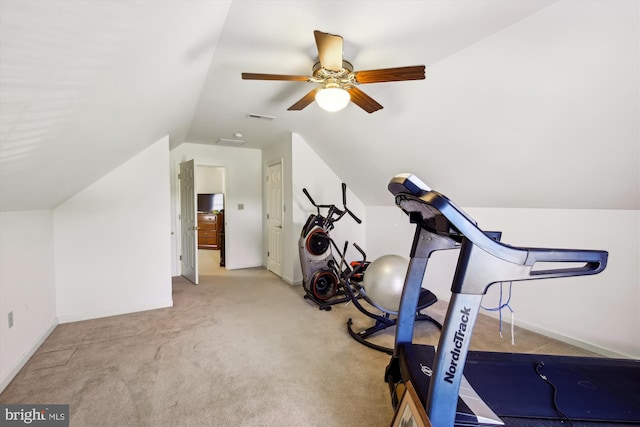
[[291, 281], [572, 341], [11, 374], [555, 335], [236, 266], [68, 318]]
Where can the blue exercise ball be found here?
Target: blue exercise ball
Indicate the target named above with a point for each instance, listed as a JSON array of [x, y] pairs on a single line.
[[384, 280]]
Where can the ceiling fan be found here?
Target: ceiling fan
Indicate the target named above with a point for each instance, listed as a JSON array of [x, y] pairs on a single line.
[[338, 79]]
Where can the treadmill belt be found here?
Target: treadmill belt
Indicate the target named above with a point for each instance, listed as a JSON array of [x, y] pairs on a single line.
[[589, 389]]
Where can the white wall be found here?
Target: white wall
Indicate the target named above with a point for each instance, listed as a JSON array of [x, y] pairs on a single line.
[[325, 187], [243, 178], [27, 287], [209, 179], [596, 312], [112, 241]]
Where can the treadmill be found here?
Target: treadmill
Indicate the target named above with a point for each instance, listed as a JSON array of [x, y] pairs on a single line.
[[459, 387]]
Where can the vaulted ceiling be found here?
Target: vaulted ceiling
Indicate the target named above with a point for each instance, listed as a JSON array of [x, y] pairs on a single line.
[[526, 103]]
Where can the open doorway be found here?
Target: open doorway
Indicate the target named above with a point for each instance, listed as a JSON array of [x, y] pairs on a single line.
[[210, 192]]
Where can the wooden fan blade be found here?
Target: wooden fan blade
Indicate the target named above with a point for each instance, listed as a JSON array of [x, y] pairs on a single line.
[[304, 101], [363, 100], [329, 50], [390, 74], [258, 76]]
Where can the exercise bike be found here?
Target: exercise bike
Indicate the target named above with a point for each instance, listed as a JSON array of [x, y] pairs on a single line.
[[464, 388], [321, 271]]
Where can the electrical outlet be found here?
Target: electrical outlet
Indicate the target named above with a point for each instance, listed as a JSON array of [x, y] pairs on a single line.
[[11, 319]]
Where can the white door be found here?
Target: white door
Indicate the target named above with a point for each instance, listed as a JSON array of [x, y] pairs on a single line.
[[188, 221], [274, 218]]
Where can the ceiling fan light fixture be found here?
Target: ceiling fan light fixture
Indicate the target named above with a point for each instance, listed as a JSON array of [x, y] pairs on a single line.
[[337, 79], [332, 98]]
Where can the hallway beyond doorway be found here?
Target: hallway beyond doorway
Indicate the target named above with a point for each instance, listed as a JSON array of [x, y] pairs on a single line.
[[209, 262]]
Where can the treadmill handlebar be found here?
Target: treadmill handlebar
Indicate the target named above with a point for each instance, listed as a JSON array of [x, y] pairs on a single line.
[[478, 269], [496, 262], [594, 262]]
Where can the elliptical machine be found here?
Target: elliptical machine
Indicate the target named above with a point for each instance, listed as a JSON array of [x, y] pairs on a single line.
[[320, 269], [330, 280]]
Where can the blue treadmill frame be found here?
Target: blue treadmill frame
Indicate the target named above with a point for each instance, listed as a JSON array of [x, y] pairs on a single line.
[[483, 261]]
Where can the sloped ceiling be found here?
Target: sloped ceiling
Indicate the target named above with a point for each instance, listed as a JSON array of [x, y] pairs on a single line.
[[86, 85], [526, 103]]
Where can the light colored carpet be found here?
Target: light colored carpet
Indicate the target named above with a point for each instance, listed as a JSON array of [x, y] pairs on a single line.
[[243, 348]]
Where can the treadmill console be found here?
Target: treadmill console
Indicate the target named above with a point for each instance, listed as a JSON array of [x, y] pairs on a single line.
[[407, 183]]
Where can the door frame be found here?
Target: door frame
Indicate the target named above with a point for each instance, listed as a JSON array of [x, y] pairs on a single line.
[[177, 207], [225, 192]]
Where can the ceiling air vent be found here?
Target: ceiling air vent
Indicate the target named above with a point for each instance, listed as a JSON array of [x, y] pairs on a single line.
[[260, 116], [230, 142]]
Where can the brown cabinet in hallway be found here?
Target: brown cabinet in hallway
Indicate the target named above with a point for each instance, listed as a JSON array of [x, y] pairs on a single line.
[[209, 228]]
